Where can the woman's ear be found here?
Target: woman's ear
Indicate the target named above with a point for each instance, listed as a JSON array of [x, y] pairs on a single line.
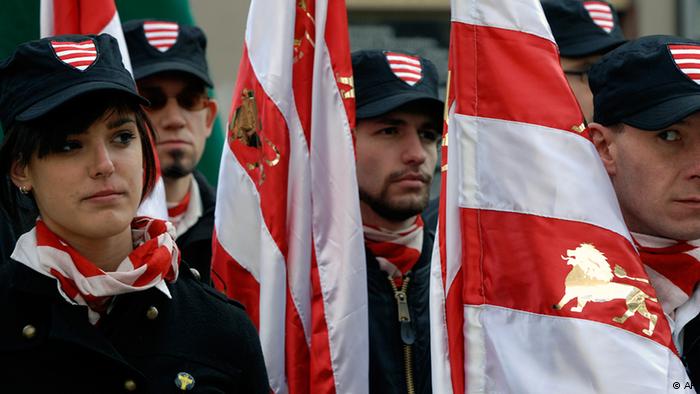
[[20, 175], [603, 139]]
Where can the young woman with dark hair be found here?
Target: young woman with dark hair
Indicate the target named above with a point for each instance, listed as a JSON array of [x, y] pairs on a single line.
[[95, 299]]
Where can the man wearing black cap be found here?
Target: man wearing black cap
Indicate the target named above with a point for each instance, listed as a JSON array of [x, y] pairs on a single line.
[[647, 132], [171, 71], [398, 129], [584, 31]]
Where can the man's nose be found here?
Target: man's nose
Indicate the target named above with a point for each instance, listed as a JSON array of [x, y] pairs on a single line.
[[171, 116], [413, 149]]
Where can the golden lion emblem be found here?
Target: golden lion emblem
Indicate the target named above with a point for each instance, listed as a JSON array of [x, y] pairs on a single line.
[[590, 280]]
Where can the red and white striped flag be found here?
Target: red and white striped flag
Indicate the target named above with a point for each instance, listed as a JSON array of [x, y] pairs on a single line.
[[601, 14], [288, 235], [97, 17], [160, 34], [79, 55], [535, 286], [687, 58], [406, 67]]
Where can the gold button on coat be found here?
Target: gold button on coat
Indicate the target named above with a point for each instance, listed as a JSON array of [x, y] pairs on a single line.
[[152, 313], [184, 381], [130, 385], [29, 331]]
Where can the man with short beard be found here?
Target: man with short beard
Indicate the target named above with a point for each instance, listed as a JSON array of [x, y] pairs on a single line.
[[170, 69], [399, 127], [646, 129]]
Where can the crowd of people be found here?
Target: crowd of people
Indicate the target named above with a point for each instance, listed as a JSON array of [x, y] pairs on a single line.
[[88, 287]]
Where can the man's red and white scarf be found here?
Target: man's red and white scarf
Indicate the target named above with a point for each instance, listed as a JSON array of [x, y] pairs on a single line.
[[396, 251], [154, 260], [186, 213], [674, 271]]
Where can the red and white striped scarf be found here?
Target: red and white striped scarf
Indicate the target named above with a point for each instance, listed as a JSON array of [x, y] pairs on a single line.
[[186, 213], [154, 260], [396, 251], [674, 271]]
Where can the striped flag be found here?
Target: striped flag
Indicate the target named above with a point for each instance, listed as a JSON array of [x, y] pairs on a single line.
[[288, 239], [601, 14], [406, 67], [96, 17], [687, 58], [161, 35], [535, 284], [80, 55]]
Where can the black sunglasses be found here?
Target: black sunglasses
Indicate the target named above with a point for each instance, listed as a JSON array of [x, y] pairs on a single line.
[[189, 99]]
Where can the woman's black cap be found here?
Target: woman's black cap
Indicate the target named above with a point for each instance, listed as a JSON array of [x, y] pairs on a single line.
[[43, 74], [649, 83], [386, 80], [583, 28], [158, 46]]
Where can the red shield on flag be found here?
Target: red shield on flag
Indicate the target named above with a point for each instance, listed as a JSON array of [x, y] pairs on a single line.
[[78, 55], [406, 67], [161, 35], [601, 14], [687, 58]]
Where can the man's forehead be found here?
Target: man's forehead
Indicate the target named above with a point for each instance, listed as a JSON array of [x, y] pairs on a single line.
[[161, 80], [401, 116]]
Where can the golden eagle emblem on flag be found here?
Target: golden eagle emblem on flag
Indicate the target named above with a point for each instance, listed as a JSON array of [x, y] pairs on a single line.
[[246, 127]]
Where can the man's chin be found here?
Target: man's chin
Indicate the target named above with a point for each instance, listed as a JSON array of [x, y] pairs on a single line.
[[176, 171], [398, 211]]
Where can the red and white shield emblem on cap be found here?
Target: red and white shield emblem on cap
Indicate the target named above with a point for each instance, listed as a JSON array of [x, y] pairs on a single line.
[[601, 14], [161, 35], [687, 57], [406, 67], [79, 55]]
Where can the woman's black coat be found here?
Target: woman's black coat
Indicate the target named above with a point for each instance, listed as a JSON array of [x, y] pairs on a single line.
[[147, 343]]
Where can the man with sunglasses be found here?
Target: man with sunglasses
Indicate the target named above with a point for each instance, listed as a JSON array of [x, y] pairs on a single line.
[[170, 69], [584, 31]]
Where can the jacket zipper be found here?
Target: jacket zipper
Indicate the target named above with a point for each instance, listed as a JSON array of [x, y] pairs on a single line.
[[408, 335]]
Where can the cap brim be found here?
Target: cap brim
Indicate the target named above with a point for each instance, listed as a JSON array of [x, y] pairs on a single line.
[[49, 103], [390, 103], [595, 46], [144, 71], [664, 114]]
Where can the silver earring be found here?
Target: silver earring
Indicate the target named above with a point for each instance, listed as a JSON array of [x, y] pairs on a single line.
[[24, 190]]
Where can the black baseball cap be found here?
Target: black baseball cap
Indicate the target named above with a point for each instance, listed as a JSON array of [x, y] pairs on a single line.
[[43, 74], [583, 28], [156, 46], [649, 83], [386, 80]]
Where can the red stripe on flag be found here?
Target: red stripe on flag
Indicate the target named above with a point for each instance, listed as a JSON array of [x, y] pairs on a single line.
[[235, 281], [82, 16], [322, 376], [297, 356], [525, 269], [264, 151], [511, 71]]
